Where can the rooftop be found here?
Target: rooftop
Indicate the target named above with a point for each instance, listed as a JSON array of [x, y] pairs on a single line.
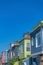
[[38, 25]]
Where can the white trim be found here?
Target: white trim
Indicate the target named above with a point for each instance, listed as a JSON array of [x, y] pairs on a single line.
[[32, 41], [37, 53], [42, 34], [30, 47], [37, 40]]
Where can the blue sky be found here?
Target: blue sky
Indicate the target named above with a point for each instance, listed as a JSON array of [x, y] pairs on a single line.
[[16, 18]]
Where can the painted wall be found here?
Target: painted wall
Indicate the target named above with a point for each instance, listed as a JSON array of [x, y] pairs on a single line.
[[15, 50], [27, 44], [42, 39], [10, 54], [23, 53], [21, 50], [35, 47], [0, 60], [4, 57]]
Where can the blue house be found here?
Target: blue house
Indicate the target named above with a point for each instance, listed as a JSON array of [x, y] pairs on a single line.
[[15, 50], [10, 54], [37, 44]]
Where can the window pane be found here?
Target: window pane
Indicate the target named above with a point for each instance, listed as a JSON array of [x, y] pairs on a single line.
[[38, 36], [27, 46], [22, 48]]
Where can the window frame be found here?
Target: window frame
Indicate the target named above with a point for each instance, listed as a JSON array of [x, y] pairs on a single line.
[[36, 40], [28, 47], [32, 41]]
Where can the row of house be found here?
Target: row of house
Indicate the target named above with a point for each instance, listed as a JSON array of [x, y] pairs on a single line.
[[19, 50], [29, 50]]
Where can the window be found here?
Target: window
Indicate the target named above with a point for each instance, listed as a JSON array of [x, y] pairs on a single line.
[[36, 42], [32, 41], [22, 48], [38, 39], [27, 46], [36, 61], [42, 34]]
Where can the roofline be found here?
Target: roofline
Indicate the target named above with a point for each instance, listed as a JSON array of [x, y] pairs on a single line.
[[39, 25]]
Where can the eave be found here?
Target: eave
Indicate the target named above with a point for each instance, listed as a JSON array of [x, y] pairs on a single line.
[[39, 25]]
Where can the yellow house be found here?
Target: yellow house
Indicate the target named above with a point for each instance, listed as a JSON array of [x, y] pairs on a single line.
[[24, 47]]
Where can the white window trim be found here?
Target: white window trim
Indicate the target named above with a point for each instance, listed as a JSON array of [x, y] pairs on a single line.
[[37, 40], [32, 42], [28, 46], [42, 34]]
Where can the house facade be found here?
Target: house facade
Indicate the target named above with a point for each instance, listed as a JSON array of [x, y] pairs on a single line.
[[0, 60], [37, 44], [4, 58], [10, 54], [24, 47], [15, 52], [15, 49]]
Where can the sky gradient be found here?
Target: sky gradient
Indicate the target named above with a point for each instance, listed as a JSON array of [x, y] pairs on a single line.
[[16, 18]]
